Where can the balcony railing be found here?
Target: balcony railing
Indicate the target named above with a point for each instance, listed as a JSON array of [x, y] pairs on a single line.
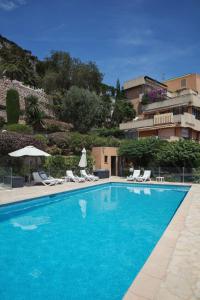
[[185, 120], [182, 100], [163, 119], [136, 124]]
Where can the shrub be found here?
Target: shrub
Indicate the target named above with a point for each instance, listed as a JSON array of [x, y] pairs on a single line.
[[73, 143], [12, 106], [54, 150], [142, 151], [179, 153], [42, 138], [13, 141], [2, 121], [20, 128], [52, 125], [111, 132]]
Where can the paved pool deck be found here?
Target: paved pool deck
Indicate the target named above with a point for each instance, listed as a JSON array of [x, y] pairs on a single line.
[[172, 271]]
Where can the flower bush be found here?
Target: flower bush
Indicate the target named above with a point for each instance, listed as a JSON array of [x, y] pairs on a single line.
[[13, 141], [154, 95]]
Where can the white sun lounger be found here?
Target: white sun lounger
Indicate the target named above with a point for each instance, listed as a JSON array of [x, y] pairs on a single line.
[[71, 177], [43, 175], [146, 176], [135, 175], [37, 179], [89, 177]]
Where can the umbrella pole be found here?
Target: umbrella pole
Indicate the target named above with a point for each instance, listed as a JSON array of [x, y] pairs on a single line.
[[29, 178]]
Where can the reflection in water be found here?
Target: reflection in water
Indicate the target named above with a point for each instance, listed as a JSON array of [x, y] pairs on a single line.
[[147, 191], [83, 206], [108, 199], [30, 223], [138, 190], [135, 190]]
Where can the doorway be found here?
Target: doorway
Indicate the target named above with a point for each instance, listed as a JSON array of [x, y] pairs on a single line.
[[113, 166]]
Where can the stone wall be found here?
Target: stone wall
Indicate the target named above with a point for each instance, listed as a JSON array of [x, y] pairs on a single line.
[[24, 91]]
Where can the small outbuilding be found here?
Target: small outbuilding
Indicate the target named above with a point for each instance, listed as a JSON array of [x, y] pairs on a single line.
[[106, 158]]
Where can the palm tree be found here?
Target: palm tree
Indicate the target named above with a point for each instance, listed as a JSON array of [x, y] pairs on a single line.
[[33, 113]]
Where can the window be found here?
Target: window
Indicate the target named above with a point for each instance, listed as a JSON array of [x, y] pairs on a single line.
[[196, 113], [179, 110], [105, 159], [185, 133], [183, 83]]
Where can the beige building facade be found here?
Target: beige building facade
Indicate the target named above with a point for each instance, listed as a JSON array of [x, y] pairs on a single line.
[[175, 116], [188, 81], [106, 158]]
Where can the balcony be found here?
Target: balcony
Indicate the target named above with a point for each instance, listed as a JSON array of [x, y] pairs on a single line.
[[135, 124], [186, 120], [188, 99]]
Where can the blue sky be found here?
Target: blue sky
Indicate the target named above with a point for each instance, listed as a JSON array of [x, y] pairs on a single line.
[[125, 38]]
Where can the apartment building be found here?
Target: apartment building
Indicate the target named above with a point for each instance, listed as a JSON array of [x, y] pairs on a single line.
[[136, 88], [188, 81], [169, 110]]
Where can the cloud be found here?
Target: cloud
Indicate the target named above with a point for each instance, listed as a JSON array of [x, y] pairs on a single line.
[[9, 5], [154, 62]]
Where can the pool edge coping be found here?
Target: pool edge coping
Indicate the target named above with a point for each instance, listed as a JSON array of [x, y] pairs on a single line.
[[147, 283]]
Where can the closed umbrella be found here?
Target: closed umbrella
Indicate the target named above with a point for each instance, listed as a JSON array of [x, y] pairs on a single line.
[[29, 151], [83, 160]]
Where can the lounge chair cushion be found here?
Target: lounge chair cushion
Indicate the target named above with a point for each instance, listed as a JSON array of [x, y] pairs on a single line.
[[43, 175]]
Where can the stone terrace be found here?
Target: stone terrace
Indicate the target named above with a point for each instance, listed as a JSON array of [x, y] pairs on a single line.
[[24, 91]]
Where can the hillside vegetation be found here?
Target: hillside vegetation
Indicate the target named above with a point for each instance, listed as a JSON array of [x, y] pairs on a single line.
[[76, 91]]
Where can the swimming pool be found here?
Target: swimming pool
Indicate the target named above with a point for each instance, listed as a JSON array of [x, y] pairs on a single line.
[[84, 244]]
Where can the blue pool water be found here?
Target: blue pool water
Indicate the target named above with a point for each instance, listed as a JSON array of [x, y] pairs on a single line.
[[88, 244]]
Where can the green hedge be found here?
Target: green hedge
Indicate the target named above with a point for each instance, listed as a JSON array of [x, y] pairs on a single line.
[[58, 164]]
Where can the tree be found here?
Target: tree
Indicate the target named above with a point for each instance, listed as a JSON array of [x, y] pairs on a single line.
[[60, 71], [80, 108], [86, 75], [105, 111], [123, 112], [179, 154], [56, 71], [17, 63], [120, 93], [33, 113], [142, 151], [12, 106]]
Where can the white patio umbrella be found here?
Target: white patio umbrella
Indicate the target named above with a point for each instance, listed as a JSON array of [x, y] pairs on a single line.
[[29, 151], [83, 160]]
